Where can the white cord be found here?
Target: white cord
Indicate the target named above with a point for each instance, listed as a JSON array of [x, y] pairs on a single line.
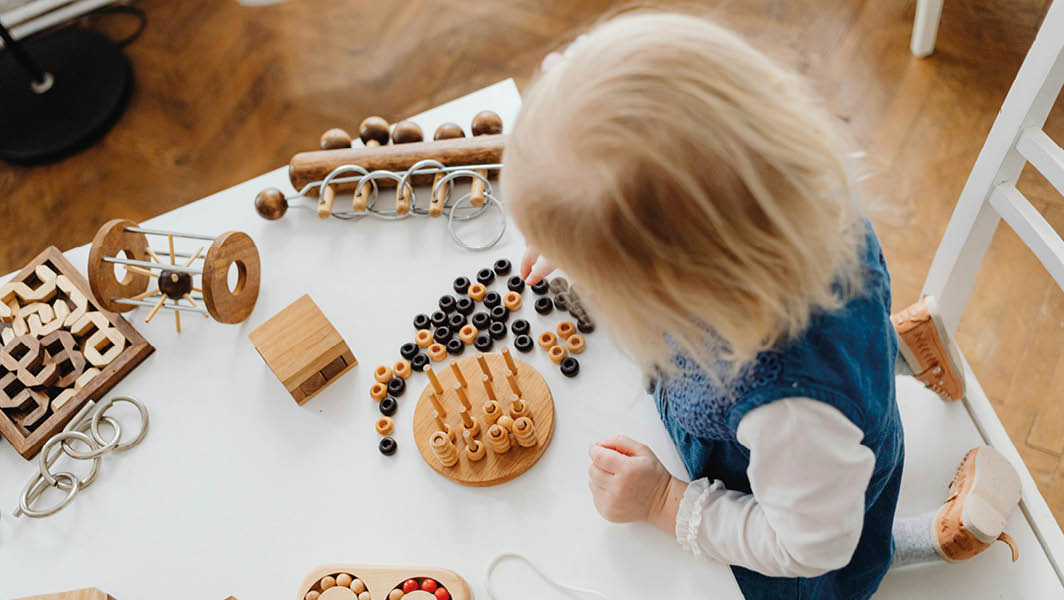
[[561, 586]]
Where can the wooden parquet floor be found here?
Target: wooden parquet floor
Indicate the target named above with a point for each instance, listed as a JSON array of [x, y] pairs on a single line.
[[226, 92]]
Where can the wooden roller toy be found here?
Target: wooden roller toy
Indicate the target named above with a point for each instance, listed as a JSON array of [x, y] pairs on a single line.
[[475, 397], [175, 282], [368, 582]]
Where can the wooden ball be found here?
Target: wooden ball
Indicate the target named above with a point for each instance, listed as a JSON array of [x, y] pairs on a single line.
[[448, 131], [271, 204], [406, 132], [365, 596], [327, 582], [312, 595], [175, 285], [357, 586], [395, 594], [335, 138], [375, 129], [486, 122], [344, 579]]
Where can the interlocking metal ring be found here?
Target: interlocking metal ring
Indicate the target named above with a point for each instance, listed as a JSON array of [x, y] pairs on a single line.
[[38, 486], [108, 403]]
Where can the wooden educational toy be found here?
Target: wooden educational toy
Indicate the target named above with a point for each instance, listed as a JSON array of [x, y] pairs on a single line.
[[60, 349], [85, 594], [367, 582], [409, 161], [174, 282], [477, 397], [303, 349]]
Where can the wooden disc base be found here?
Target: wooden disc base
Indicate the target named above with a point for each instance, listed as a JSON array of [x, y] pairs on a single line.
[[493, 468]]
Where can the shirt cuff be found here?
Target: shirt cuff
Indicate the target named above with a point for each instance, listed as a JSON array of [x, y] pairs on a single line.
[[689, 515]]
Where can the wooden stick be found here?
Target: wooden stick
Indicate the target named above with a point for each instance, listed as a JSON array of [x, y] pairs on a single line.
[[155, 309], [487, 387], [458, 374], [177, 319], [437, 404], [462, 397], [434, 381], [509, 360], [513, 385], [171, 238], [190, 300], [195, 255], [154, 256], [484, 366], [145, 294], [141, 271]]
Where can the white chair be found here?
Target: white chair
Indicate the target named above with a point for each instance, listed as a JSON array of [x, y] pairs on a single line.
[[925, 27], [937, 434]]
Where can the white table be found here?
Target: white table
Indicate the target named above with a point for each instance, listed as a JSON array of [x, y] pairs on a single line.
[[237, 490]]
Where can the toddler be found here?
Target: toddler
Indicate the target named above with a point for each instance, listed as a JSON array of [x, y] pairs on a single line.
[[701, 200]]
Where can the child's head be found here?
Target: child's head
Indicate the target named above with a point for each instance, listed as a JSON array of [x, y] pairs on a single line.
[[687, 183]]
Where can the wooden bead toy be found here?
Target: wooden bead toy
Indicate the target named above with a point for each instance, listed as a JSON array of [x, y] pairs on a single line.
[[481, 320], [387, 446], [498, 439], [544, 305], [515, 284], [327, 582], [502, 266], [512, 301], [405, 132], [335, 138], [485, 123], [396, 386], [500, 314], [423, 338], [484, 342], [492, 299], [59, 350], [570, 367], [540, 288], [468, 334], [486, 277], [524, 432], [557, 354], [446, 131], [419, 362], [385, 425], [438, 318], [421, 321], [464, 305], [444, 427], [497, 330], [474, 450], [575, 343], [374, 131], [383, 374], [388, 406], [547, 340], [455, 347], [518, 408], [437, 352], [367, 582], [566, 329], [401, 369], [408, 350], [447, 303], [443, 449], [378, 391], [442, 334], [477, 291], [523, 343], [461, 285], [457, 320], [271, 204], [175, 283], [482, 414]]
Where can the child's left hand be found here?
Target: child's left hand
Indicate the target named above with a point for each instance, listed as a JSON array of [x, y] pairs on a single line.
[[629, 483]]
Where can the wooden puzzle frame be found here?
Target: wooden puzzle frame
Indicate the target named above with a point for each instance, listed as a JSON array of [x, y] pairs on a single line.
[[380, 580]]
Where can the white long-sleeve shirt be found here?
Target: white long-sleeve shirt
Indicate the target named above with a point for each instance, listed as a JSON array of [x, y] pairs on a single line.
[[808, 473]]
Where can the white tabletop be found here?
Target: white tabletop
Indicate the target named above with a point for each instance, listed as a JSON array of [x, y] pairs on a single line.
[[237, 490]]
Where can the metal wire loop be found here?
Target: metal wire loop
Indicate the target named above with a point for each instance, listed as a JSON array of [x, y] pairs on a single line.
[[489, 200], [36, 487]]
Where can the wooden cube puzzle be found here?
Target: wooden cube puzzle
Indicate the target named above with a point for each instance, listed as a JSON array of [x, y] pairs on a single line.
[[303, 349]]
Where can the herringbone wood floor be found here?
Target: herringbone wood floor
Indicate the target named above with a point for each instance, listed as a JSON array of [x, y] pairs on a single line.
[[225, 92]]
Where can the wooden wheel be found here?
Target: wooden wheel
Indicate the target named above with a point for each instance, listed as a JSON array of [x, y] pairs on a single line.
[[111, 240], [224, 304]]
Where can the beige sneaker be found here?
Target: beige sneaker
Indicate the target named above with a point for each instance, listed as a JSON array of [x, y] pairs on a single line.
[[929, 351], [982, 494]]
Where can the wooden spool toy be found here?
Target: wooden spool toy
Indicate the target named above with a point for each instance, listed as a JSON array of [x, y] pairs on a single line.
[[367, 582], [175, 281], [476, 393]]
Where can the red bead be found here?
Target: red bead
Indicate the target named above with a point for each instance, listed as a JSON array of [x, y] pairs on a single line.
[[409, 585], [428, 585], [442, 594]]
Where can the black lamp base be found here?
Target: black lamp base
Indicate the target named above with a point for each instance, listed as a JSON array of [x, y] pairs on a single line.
[[90, 83]]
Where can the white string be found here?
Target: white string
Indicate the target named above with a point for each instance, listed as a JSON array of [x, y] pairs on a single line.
[[561, 586]]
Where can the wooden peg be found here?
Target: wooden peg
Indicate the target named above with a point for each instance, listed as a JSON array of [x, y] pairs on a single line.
[[373, 132], [462, 397], [518, 408], [488, 387], [524, 432], [510, 364], [498, 439], [484, 365], [325, 202], [458, 374], [474, 449], [405, 132], [444, 427], [435, 399], [492, 412], [445, 131], [469, 424], [435, 381], [485, 122], [510, 379]]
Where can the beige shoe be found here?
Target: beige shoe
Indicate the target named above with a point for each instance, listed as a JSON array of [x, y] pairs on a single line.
[[929, 351], [982, 494]]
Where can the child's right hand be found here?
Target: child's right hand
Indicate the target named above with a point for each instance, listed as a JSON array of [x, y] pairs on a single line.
[[534, 267]]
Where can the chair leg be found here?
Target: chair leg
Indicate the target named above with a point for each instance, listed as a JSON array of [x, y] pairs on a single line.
[[925, 27]]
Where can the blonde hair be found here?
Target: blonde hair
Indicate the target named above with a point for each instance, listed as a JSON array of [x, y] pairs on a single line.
[[694, 189]]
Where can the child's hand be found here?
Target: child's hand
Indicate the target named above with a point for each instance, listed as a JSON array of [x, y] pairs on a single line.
[[543, 267], [629, 483]]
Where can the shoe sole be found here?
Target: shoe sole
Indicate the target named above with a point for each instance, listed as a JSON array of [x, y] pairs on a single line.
[[994, 492], [952, 353]]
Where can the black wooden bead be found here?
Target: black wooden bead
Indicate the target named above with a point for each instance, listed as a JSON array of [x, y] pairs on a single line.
[[497, 330], [544, 305], [455, 346], [523, 342], [408, 350], [442, 334], [421, 322], [387, 446], [464, 305], [541, 287], [520, 327], [447, 303], [516, 284], [455, 321], [500, 314], [585, 326], [419, 361], [561, 301], [485, 276], [492, 299], [396, 387], [461, 285], [570, 366], [501, 267], [481, 320], [483, 342], [438, 318], [388, 406]]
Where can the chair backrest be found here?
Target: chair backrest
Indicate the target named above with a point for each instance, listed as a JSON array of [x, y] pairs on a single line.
[[990, 193]]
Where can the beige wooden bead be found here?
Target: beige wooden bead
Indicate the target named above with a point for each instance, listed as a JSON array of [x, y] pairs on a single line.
[[437, 352], [557, 354], [383, 374], [312, 595], [518, 408], [395, 594], [357, 586], [423, 338], [468, 333], [566, 329], [385, 425], [524, 432], [344, 579], [378, 391], [402, 369], [498, 439], [547, 340], [365, 596], [477, 291], [327, 582], [512, 300], [492, 412], [575, 343], [474, 450], [444, 449], [506, 422]]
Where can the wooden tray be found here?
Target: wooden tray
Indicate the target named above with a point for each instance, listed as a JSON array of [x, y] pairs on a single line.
[[380, 581]]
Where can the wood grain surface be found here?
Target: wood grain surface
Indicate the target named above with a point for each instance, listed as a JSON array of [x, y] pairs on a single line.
[[380, 580]]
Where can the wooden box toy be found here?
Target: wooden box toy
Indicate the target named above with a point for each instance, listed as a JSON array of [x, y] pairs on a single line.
[[366, 582], [303, 349]]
